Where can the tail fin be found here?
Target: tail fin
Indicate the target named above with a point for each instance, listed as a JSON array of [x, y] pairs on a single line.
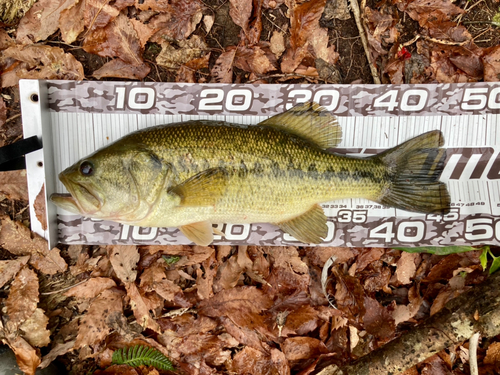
[[414, 169]]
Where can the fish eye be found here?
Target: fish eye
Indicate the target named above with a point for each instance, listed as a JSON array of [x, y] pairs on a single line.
[[87, 168]]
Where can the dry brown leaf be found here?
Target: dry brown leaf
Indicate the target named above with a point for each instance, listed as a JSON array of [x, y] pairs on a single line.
[[300, 321], [406, 267], [99, 13], [195, 255], [50, 262], [39, 206], [349, 295], [178, 21], [228, 274], [246, 335], [172, 58], [154, 279], [23, 298], [302, 348], [222, 71], [240, 11], [252, 361], [493, 354], [277, 43], [42, 20], [378, 321], [491, 61], [57, 350], [205, 282], [119, 69], [9, 268], [16, 238], [403, 313], [124, 260], [26, 356], [144, 31], [318, 255], [435, 11], [117, 39], [42, 62], [13, 185], [187, 71], [3, 115], [255, 59], [90, 288], [141, 310], [71, 22], [93, 325], [35, 329]]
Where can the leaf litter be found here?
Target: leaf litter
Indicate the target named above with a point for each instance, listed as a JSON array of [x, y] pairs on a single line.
[[239, 309]]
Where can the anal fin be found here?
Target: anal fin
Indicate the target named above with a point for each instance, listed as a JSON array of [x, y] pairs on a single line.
[[309, 227], [201, 233]]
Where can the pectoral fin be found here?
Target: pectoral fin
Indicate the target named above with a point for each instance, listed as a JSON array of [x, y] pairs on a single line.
[[200, 233], [203, 189], [310, 227]]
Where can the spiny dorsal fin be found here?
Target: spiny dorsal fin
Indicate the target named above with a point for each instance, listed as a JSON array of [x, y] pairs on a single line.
[[310, 121], [310, 227], [200, 233], [203, 189]]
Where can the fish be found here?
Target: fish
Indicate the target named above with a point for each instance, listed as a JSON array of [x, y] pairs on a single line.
[[194, 174]]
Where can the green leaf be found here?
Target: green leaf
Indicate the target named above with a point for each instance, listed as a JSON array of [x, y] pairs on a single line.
[[171, 259], [496, 19], [141, 355], [437, 249], [484, 257], [495, 265]]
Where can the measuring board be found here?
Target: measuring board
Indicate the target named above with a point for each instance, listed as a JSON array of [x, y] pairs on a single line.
[[75, 118]]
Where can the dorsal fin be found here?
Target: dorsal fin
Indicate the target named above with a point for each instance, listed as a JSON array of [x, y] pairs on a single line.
[[310, 121]]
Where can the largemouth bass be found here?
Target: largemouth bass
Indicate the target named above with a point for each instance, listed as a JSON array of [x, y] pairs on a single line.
[[194, 174]]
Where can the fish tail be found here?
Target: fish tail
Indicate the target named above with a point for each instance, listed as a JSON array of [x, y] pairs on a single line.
[[414, 169]]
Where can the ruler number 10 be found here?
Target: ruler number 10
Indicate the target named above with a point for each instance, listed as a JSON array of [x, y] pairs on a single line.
[[135, 98]]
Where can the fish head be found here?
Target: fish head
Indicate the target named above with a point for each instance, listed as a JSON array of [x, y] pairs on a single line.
[[119, 184]]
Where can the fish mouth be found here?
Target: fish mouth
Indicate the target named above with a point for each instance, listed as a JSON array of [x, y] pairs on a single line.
[[79, 200]]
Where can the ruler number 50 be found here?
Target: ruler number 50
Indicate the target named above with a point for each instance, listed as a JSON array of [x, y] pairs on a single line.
[[476, 98]]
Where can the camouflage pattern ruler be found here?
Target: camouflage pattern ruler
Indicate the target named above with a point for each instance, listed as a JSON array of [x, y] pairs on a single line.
[[75, 118]]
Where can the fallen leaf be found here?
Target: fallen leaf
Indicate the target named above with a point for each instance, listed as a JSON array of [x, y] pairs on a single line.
[[172, 58], [205, 280], [119, 69], [26, 356], [187, 71], [377, 320], [195, 255], [90, 288], [493, 354], [42, 20], [141, 310], [23, 298], [144, 31], [252, 361], [154, 279], [425, 11], [93, 326], [50, 262], [71, 21], [318, 255], [222, 71], [9, 268], [208, 21], [434, 366], [39, 206], [57, 350], [240, 11], [99, 13], [300, 321], [277, 43], [404, 313], [42, 62], [302, 348], [491, 61], [117, 39], [255, 59], [349, 295], [3, 115], [229, 273], [35, 329], [124, 260], [406, 267]]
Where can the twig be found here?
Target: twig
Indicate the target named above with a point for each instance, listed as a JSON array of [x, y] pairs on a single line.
[[473, 354], [434, 40], [364, 40], [289, 76], [12, 118], [63, 289]]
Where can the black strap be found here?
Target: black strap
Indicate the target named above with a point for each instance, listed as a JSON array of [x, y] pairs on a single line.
[[12, 156]]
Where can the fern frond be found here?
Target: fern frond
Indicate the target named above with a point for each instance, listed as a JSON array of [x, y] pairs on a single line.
[[140, 355]]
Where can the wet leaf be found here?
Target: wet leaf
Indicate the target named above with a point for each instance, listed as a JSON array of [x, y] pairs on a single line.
[[93, 325], [43, 62], [90, 288], [42, 20], [425, 11], [349, 296], [35, 329], [23, 298], [124, 260]]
